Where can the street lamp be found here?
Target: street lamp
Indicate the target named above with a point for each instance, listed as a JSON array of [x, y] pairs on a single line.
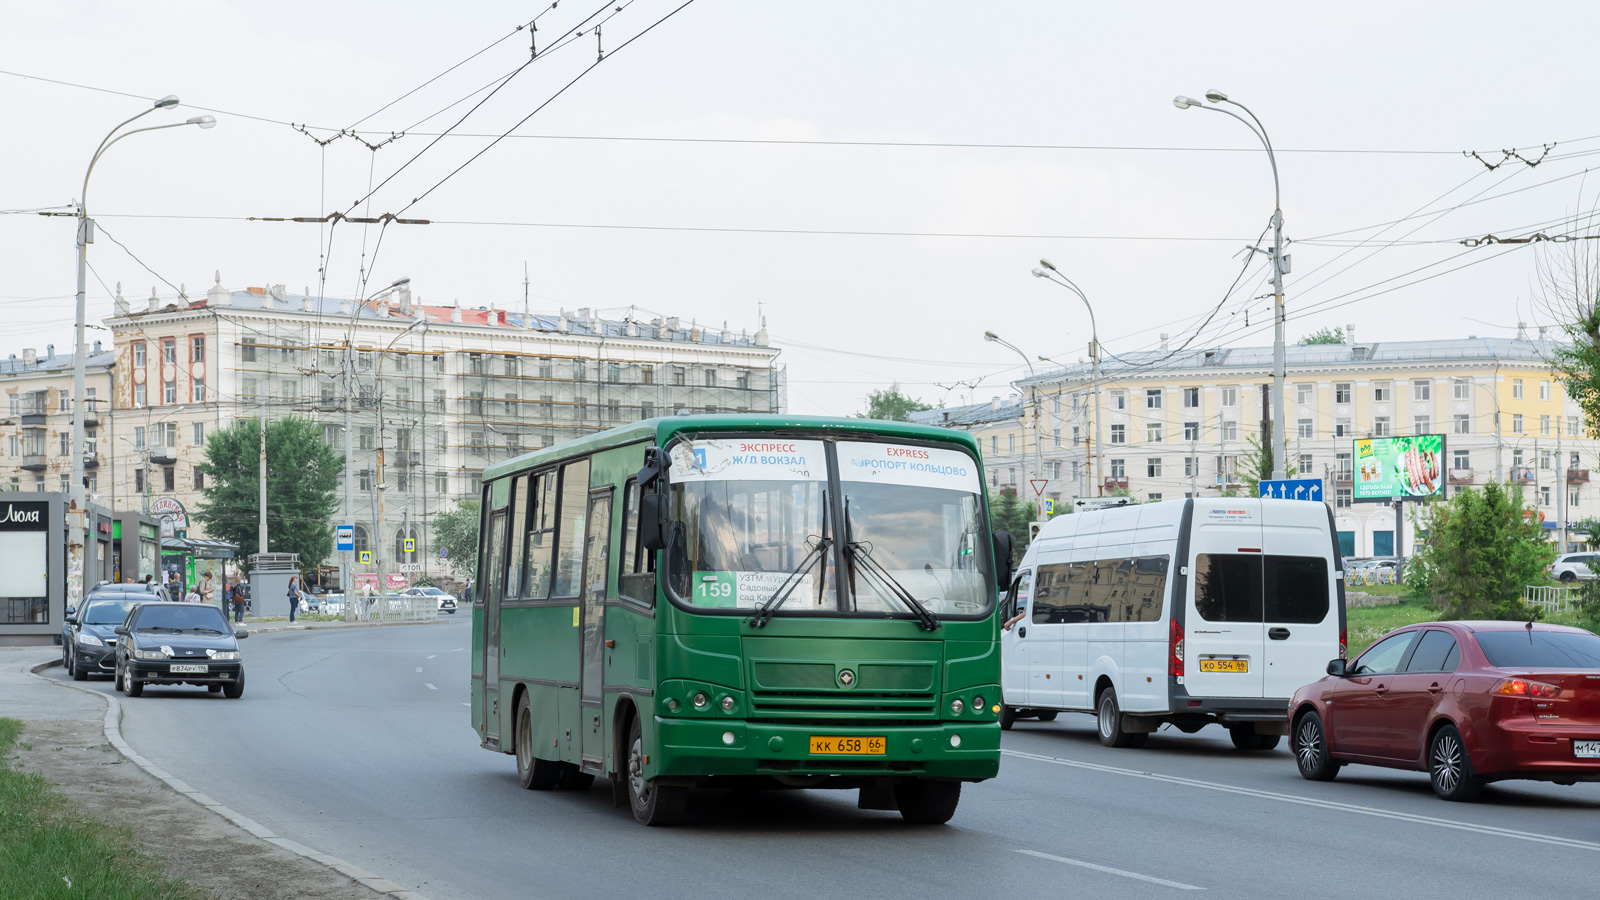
[[1094, 357], [76, 492], [1280, 265], [1038, 444]]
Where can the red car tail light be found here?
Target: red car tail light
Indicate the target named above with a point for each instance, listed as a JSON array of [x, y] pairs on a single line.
[[1175, 649], [1521, 687]]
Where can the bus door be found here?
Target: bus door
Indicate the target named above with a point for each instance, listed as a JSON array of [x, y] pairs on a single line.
[[596, 569], [492, 578]]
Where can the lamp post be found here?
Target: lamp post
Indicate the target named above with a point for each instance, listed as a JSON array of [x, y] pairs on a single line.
[[422, 328], [1094, 357], [348, 581], [1280, 266], [1033, 393], [85, 237]]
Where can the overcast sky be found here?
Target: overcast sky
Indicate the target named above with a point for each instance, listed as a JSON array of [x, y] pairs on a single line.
[[1149, 227]]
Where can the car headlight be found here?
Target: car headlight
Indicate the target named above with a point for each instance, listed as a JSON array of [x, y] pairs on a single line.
[[223, 654], [150, 654], [89, 640]]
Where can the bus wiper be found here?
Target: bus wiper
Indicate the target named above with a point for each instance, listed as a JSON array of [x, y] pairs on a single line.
[[765, 610], [862, 551]]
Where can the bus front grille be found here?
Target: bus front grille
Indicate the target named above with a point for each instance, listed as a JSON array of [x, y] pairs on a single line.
[[841, 704]]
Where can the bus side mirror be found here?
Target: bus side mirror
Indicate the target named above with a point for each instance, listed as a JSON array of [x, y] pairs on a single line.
[[1003, 547], [653, 521]]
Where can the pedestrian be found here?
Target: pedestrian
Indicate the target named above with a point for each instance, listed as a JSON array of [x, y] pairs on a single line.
[[237, 596], [467, 594], [294, 595], [193, 596], [174, 586], [366, 596], [205, 588]]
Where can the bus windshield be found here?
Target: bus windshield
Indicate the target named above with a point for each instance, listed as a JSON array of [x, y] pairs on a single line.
[[752, 517]]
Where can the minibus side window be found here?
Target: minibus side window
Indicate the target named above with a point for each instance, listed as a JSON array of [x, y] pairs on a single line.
[[1227, 587], [1296, 589], [1147, 590], [1050, 594]]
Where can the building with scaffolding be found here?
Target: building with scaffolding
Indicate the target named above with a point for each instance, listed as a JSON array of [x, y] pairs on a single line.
[[440, 391]]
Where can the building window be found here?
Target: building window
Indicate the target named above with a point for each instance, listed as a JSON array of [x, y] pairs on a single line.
[[1191, 431], [1118, 470], [140, 396], [647, 374], [198, 390], [1152, 433], [1544, 424], [1230, 396], [199, 434], [1516, 423], [1303, 393], [1152, 398], [1341, 428], [1341, 497], [138, 437], [1544, 390], [1380, 426], [1011, 475], [616, 410], [330, 434], [199, 480], [364, 480], [66, 443], [647, 410], [1544, 459], [169, 391], [138, 355], [1152, 467], [1382, 391], [1544, 495], [169, 352], [1055, 405], [1076, 438], [441, 482], [1461, 459], [138, 481], [1304, 429], [679, 376], [1460, 390], [1119, 399], [613, 372], [994, 445], [1055, 437], [1342, 465], [1572, 496], [1227, 470], [1516, 458], [1230, 430], [1516, 388], [1421, 389], [1304, 464], [1421, 425], [1153, 498], [197, 348], [365, 435], [509, 405], [169, 478], [711, 378], [1119, 434], [438, 401], [1191, 398], [1572, 426], [1011, 443], [1191, 466], [1341, 392]]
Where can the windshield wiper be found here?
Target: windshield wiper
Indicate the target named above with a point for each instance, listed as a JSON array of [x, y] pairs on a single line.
[[765, 610], [862, 551]]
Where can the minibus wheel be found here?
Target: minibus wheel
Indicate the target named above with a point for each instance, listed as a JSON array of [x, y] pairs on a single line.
[[1008, 717], [1245, 738], [1108, 718], [1047, 715]]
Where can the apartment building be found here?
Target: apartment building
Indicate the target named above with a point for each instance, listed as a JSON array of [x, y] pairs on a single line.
[[442, 390], [36, 422], [1180, 424]]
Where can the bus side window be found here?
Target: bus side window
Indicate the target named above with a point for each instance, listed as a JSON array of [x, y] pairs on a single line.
[[517, 557], [636, 564], [541, 536]]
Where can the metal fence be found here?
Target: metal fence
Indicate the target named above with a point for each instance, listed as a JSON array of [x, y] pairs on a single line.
[[1551, 599]]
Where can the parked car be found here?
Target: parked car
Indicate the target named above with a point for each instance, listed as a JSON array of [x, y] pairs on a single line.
[[178, 643], [90, 639], [1467, 702], [446, 601], [1570, 567]]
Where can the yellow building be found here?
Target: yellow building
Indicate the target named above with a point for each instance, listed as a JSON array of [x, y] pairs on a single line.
[[1177, 424]]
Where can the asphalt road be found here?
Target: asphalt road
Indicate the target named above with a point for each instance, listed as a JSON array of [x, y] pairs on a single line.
[[358, 743]]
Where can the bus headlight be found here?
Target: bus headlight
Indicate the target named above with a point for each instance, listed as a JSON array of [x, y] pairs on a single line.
[[956, 706], [977, 704], [699, 700], [727, 704]]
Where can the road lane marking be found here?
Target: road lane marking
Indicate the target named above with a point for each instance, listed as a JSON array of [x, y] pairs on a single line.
[[466, 704], [458, 650], [434, 655], [1110, 871], [1413, 818], [429, 686]]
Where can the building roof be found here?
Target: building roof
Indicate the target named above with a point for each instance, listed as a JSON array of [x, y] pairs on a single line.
[[54, 363], [971, 414], [581, 322], [1195, 360]]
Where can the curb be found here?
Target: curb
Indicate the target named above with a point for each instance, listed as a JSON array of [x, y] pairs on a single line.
[[113, 733], [336, 626]]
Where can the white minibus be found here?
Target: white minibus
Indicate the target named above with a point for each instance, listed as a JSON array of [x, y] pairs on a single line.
[[1185, 612]]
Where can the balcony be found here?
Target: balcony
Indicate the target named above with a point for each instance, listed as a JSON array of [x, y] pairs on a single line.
[[34, 462], [407, 458], [1113, 483], [1524, 475], [91, 413], [162, 456], [1343, 478], [1577, 476], [33, 414], [1460, 476], [91, 460]]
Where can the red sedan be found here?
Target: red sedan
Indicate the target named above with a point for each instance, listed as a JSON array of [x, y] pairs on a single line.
[[1467, 702]]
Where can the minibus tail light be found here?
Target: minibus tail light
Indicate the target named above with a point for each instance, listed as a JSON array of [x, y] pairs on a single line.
[[1344, 643], [1175, 649]]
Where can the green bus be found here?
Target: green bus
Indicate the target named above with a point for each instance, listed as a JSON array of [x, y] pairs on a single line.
[[748, 601]]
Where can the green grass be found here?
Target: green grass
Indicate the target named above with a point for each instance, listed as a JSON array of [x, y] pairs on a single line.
[[1377, 590], [1368, 623], [48, 850]]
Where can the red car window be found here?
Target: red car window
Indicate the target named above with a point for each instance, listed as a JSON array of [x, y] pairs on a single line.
[[1384, 657], [1436, 652]]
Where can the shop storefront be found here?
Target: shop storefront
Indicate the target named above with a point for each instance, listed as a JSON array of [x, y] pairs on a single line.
[[134, 543], [33, 567]]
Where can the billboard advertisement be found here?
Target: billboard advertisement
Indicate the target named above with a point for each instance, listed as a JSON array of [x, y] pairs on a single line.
[[1396, 468]]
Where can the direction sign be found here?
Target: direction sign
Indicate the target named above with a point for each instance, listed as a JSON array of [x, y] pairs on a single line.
[[1293, 489], [366, 557], [1038, 485], [345, 535]]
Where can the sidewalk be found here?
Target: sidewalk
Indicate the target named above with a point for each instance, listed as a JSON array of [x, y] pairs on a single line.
[[276, 626]]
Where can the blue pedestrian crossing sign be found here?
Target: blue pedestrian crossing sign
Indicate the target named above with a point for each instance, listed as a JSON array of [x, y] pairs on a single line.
[[345, 536], [1049, 507], [1292, 489]]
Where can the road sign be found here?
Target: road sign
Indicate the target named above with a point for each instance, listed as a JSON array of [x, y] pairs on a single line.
[[1049, 507], [411, 567], [444, 552], [345, 535], [1293, 489], [366, 557], [411, 545], [1038, 485]]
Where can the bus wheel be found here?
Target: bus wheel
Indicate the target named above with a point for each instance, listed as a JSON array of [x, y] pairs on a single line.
[[1008, 717], [1047, 715], [533, 773], [652, 804], [924, 802]]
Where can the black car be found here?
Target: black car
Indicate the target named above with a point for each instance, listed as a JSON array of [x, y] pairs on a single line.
[[91, 639], [178, 643]]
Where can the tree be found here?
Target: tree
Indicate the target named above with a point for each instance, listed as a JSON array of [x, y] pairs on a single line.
[[891, 404], [1481, 550], [1569, 292], [302, 480], [1258, 465], [456, 531], [1324, 336], [1007, 512]]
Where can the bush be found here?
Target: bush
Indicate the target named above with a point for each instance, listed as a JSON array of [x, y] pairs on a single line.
[[1480, 553]]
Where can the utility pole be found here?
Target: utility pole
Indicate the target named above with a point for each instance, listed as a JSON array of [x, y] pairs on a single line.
[[261, 524], [1094, 358], [1561, 499], [1194, 466], [1222, 455]]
